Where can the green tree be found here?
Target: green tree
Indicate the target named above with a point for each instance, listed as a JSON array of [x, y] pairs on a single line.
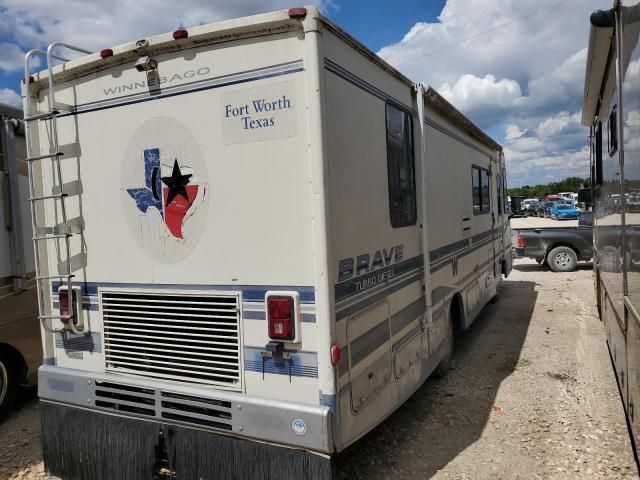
[[569, 184]]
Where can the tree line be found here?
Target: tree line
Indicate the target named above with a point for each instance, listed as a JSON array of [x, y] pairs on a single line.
[[569, 184]]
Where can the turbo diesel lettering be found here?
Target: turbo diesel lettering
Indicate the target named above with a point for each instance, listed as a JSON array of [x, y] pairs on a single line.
[[151, 82]]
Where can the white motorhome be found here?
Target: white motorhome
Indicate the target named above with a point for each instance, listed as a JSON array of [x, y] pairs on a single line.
[[20, 345], [244, 212]]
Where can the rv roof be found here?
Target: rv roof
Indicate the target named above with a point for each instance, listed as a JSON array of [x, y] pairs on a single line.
[[266, 23]]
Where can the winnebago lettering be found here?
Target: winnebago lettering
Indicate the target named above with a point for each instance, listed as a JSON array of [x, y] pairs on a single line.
[[246, 267]]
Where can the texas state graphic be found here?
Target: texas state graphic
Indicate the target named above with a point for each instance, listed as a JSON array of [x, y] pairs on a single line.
[[171, 196]]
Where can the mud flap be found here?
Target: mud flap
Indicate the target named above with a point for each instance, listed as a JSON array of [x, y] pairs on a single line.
[[87, 445]]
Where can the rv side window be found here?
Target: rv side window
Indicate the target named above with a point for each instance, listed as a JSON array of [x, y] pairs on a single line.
[[480, 188], [612, 131], [400, 168], [598, 155]]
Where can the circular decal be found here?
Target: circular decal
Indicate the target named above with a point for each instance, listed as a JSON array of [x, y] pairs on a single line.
[[165, 189], [298, 426]]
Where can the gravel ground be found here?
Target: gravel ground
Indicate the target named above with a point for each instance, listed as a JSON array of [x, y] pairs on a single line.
[[531, 395]]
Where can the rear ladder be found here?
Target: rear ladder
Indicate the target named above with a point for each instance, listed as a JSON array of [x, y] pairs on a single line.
[[65, 229]]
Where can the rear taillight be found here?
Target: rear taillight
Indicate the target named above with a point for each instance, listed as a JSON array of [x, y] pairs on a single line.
[[520, 239], [280, 311], [67, 303], [335, 354]]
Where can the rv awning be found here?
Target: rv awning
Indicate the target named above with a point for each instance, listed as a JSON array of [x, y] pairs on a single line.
[[600, 37]]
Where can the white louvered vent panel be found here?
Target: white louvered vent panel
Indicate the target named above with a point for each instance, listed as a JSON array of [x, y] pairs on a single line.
[[189, 338]]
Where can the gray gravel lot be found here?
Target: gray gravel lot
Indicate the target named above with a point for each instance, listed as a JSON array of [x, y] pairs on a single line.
[[531, 395]]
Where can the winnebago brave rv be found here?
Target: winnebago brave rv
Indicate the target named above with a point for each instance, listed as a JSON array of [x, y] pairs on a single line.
[[255, 241], [20, 345]]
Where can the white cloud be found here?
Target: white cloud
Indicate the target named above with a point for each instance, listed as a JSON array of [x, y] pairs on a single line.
[[96, 24], [513, 131], [10, 97], [471, 93], [524, 77], [11, 57]]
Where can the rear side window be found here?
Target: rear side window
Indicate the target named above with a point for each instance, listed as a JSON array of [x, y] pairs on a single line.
[[400, 168], [612, 131], [480, 190]]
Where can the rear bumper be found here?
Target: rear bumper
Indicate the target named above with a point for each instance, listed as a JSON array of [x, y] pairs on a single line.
[[217, 412]]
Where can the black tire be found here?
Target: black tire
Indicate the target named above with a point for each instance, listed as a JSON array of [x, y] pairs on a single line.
[[562, 259], [9, 381], [445, 364]]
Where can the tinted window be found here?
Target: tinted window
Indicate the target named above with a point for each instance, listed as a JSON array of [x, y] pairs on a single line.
[[612, 131], [480, 190], [400, 168]]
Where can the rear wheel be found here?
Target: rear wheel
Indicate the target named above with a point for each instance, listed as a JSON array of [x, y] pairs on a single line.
[[562, 259], [8, 384]]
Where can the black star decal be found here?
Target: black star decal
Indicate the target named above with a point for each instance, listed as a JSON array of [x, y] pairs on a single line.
[[176, 183]]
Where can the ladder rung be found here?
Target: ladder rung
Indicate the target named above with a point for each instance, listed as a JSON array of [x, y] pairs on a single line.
[[50, 237], [41, 116], [47, 197], [63, 107], [57, 230], [73, 225], [55, 317], [42, 157], [51, 277]]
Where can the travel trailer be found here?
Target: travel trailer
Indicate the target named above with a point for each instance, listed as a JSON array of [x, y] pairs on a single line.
[[611, 108], [20, 345], [255, 241]]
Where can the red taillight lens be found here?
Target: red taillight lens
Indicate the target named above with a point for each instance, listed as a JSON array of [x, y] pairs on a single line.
[[107, 52], [335, 354], [66, 302], [281, 321], [520, 240]]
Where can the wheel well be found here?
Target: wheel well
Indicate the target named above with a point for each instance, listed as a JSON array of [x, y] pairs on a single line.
[[563, 244], [17, 357], [457, 312]]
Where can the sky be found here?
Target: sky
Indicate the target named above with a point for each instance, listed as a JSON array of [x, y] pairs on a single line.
[[514, 67]]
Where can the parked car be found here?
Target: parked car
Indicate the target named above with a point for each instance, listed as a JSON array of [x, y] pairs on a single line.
[[563, 211], [20, 344], [568, 195], [529, 206], [547, 205], [561, 248]]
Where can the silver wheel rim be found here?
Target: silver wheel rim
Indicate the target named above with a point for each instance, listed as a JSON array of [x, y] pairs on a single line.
[[4, 382], [563, 260]]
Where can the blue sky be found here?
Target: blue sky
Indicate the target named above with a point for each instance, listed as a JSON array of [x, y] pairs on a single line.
[[515, 67]]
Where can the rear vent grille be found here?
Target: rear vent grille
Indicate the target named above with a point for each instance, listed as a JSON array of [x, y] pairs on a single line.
[[189, 338], [178, 407], [183, 408], [125, 398]]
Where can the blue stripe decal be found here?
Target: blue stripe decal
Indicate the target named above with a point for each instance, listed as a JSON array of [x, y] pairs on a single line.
[[303, 364], [249, 292]]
